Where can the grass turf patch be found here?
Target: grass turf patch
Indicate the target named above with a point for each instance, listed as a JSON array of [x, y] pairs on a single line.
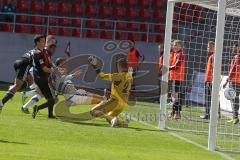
[[24, 138]]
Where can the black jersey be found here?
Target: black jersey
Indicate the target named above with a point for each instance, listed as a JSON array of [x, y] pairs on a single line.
[[23, 64], [39, 61]]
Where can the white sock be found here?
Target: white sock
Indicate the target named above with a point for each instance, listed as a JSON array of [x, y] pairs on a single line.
[[77, 99], [30, 93], [33, 100]]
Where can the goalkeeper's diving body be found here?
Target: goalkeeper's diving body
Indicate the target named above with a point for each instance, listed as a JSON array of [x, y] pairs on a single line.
[[120, 90]]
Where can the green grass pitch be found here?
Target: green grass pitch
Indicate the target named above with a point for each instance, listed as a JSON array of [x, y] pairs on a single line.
[[24, 138]]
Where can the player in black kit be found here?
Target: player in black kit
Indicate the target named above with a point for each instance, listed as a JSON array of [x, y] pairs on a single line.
[[42, 68], [22, 67]]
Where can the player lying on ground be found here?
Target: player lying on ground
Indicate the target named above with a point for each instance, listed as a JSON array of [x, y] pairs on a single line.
[[120, 90], [22, 67], [63, 85]]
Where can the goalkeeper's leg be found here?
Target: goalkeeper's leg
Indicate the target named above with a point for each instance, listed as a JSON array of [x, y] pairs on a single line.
[[104, 107], [114, 120], [109, 110], [176, 108]]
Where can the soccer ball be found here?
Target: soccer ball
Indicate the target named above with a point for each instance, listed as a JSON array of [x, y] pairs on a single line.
[[229, 93]]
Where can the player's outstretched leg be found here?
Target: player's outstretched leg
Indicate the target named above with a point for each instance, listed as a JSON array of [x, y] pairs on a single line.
[[32, 101], [82, 99], [12, 90]]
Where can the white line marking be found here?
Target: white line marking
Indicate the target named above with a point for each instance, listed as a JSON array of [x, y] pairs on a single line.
[[187, 140]]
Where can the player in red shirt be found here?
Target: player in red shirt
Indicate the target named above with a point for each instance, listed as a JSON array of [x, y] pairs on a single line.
[[177, 73], [208, 81], [234, 82]]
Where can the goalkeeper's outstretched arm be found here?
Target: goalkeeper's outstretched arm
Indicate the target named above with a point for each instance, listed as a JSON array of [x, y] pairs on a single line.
[[93, 62]]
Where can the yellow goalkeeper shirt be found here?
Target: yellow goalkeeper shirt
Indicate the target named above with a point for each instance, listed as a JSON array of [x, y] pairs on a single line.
[[121, 85]]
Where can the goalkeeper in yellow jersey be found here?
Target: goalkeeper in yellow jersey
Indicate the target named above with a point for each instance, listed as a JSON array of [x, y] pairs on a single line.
[[120, 90]]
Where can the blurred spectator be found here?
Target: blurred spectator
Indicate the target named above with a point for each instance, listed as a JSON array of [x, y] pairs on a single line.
[[9, 7]]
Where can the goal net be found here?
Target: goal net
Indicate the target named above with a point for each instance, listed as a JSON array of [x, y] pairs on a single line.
[[196, 24]]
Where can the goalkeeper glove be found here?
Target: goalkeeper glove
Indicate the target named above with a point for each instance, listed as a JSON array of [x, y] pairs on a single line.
[[93, 62]]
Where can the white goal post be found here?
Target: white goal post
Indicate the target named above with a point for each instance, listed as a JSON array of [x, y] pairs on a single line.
[[221, 7]]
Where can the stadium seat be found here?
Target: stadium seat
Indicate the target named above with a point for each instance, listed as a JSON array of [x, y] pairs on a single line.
[[22, 19], [36, 6], [144, 38], [159, 28], [158, 15], [91, 24], [131, 2], [144, 27], [120, 36], [202, 16], [198, 8], [21, 29], [131, 36], [117, 2], [64, 22], [104, 2], [77, 9], [90, 1], [22, 5], [159, 38], [106, 25], [76, 22], [53, 31], [143, 3], [91, 10], [186, 15], [132, 13], [50, 8], [185, 6], [64, 8], [76, 32], [175, 29], [176, 16], [151, 38], [158, 4], [36, 30], [36, 20], [106, 35], [64, 32], [118, 12], [91, 34], [52, 21], [120, 25], [7, 27], [132, 26], [104, 11], [144, 14]]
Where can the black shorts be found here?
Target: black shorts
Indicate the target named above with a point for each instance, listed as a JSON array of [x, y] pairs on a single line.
[[176, 86], [42, 83], [21, 69]]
